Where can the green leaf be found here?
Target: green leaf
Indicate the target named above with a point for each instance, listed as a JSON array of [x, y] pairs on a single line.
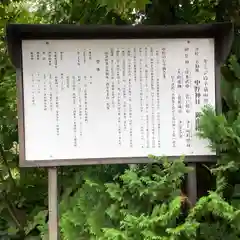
[[12, 230], [235, 66], [122, 6]]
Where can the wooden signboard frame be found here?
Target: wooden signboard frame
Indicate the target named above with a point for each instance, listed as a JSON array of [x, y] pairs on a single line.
[[16, 33]]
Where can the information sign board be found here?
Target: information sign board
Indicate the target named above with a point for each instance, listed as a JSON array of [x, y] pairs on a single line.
[[114, 100]]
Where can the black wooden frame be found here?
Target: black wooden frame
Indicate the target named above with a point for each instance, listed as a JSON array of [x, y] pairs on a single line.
[[222, 33]]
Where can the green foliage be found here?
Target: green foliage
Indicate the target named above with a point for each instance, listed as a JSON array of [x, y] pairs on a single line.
[[122, 202], [140, 203], [125, 6], [16, 201], [227, 126], [145, 202]]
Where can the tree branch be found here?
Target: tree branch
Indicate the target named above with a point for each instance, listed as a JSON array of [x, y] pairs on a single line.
[[7, 165], [10, 207]]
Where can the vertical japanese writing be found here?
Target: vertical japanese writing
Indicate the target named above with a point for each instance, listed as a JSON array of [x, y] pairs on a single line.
[[141, 95], [106, 59], [98, 65], [44, 92], [32, 56], [205, 81], [50, 58], [43, 56], [197, 63], [153, 133], [84, 56], [187, 77], [57, 106], [38, 55], [89, 54], [119, 109], [173, 112], [130, 76], [186, 55], [55, 60], [124, 89], [80, 114], [112, 77], [67, 81], [74, 96], [61, 56], [158, 97], [78, 58], [197, 120], [50, 93], [180, 128], [135, 63], [62, 82], [146, 67], [188, 133], [179, 103], [85, 100], [38, 82], [188, 103], [33, 90], [164, 62], [197, 92], [179, 78]]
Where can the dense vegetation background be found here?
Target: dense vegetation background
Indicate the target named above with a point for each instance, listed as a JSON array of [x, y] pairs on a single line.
[[121, 202]]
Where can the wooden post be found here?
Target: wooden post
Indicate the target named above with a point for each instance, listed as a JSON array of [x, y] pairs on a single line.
[[53, 204], [192, 184]]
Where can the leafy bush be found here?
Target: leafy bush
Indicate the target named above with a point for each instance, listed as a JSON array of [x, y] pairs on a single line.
[[122, 202], [145, 202]]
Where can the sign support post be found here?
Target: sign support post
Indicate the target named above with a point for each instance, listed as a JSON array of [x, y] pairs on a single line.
[[192, 184], [53, 203]]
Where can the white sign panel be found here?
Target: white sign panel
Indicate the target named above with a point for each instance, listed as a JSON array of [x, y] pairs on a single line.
[[115, 98]]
